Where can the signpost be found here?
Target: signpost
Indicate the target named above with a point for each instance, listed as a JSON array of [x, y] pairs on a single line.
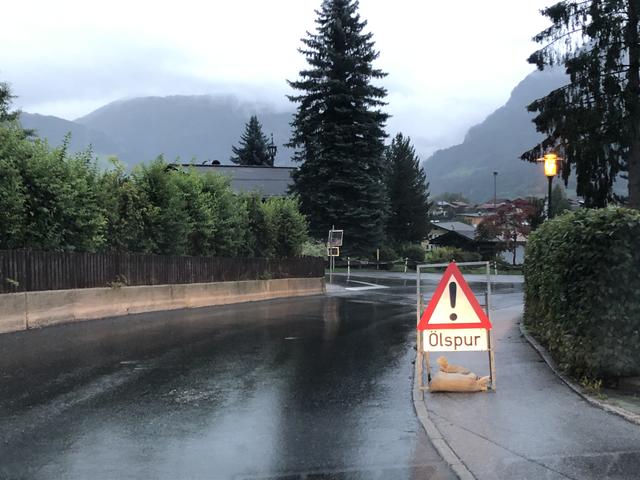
[[454, 320], [334, 242]]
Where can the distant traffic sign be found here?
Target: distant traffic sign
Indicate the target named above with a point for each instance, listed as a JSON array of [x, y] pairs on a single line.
[[335, 238]]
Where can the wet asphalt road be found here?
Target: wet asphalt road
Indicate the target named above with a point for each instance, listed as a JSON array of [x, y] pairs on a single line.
[[316, 388]]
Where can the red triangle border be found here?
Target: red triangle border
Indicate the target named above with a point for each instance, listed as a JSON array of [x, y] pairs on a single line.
[[453, 271]]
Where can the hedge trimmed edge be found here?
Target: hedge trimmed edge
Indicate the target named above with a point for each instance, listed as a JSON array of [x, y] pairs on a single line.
[[582, 291]]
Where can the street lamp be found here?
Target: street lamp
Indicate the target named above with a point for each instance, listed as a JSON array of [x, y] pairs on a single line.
[[272, 150], [550, 170]]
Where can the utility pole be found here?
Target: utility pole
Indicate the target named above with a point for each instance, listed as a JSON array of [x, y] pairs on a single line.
[[272, 149], [549, 197], [495, 189]]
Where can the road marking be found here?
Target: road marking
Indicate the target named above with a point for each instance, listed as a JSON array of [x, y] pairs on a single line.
[[369, 286]]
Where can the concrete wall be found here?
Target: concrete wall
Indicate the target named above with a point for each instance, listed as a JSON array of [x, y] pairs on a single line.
[[22, 311]]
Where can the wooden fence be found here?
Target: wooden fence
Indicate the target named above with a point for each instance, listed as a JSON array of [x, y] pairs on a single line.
[[26, 270]]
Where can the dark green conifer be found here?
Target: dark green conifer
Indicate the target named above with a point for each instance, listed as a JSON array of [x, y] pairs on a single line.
[[338, 130], [594, 120], [407, 188], [252, 149], [5, 104]]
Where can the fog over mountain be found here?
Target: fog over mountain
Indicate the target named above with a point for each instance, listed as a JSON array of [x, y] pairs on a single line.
[[496, 145], [206, 127], [54, 129], [178, 127]]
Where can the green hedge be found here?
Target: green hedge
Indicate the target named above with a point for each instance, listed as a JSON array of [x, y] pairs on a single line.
[[582, 291], [448, 254]]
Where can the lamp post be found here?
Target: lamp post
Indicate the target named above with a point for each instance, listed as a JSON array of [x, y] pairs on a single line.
[[272, 150], [495, 190], [550, 170]]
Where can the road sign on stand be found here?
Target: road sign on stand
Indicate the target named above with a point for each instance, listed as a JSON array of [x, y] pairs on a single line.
[[454, 320], [454, 308]]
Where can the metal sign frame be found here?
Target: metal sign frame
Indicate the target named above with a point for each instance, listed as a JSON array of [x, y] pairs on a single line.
[[423, 357], [335, 238], [334, 241]]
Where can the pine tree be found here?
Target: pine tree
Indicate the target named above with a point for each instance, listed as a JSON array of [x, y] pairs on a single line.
[[595, 119], [407, 188], [253, 146], [7, 115], [5, 103], [338, 130]]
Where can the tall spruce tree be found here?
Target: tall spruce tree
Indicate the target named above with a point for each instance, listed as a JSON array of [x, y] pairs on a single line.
[[252, 149], [407, 188], [594, 120], [338, 129]]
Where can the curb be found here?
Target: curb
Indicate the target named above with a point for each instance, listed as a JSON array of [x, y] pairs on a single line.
[[629, 416], [435, 436]]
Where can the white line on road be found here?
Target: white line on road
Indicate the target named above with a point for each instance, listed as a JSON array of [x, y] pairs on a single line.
[[369, 286]]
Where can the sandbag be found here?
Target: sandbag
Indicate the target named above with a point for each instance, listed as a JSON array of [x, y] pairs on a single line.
[[446, 367], [458, 382]]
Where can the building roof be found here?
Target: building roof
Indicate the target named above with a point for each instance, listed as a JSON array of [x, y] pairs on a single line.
[[466, 235], [450, 238], [269, 181], [454, 226], [470, 234]]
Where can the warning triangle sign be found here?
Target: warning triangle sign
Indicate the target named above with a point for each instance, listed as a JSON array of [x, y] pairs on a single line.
[[453, 305]]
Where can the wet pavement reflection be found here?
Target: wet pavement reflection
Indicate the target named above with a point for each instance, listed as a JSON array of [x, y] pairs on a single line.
[[316, 388]]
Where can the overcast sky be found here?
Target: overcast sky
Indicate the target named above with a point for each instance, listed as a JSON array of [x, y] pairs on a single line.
[[450, 63]]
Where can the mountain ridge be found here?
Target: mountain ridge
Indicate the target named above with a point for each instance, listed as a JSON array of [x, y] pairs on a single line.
[[185, 127], [495, 144], [179, 127], [205, 127]]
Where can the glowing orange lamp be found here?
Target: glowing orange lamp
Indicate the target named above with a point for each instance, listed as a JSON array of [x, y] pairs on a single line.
[[550, 164], [550, 170]]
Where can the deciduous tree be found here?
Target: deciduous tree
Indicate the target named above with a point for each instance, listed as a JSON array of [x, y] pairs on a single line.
[[508, 224]]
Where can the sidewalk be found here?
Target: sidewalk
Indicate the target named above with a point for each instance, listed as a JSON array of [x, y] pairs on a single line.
[[533, 426]]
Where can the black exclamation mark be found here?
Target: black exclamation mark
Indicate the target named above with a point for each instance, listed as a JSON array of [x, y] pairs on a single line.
[[453, 289]]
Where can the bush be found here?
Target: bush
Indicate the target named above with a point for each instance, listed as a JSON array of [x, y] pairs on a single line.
[[412, 251], [314, 248], [56, 201], [387, 253], [288, 224], [582, 291], [447, 254]]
